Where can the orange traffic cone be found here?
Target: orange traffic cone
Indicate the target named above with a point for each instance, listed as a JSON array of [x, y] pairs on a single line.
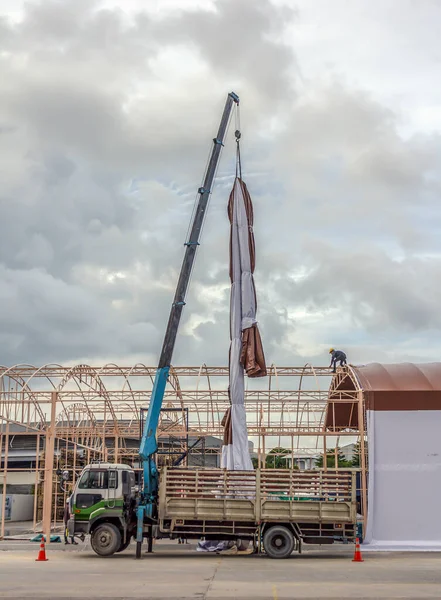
[[357, 553], [42, 553]]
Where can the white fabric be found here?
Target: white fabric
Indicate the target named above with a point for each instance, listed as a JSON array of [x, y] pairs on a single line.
[[242, 310], [212, 546], [404, 487], [227, 456], [241, 451]]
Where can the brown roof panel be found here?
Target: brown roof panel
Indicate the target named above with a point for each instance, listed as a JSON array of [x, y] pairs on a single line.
[[403, 386], [394, 387], [402, 376]]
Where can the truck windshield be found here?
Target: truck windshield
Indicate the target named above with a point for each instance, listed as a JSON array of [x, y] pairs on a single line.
[[94, 480]]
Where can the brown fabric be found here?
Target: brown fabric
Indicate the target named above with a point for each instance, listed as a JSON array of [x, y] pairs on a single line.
[[250, 218], [228, 429], [397, 387], [339, 414], [252, 357]]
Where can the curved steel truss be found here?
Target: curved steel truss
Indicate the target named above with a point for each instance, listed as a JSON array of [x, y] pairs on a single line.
[[83, 413], [290, 402]]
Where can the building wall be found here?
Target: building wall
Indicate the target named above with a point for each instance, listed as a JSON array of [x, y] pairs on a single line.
[[22, 483], [20, 478], [206, 460], [348, 451], [404, 480], [18, 507]]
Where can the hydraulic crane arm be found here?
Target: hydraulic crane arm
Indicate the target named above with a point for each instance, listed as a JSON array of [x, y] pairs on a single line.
[[148, 443]]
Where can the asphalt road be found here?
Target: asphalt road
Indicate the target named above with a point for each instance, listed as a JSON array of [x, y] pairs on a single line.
[[178, 572]]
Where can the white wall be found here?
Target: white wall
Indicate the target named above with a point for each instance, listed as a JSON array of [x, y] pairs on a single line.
[[19, 478], [404, 488], [21, 508]]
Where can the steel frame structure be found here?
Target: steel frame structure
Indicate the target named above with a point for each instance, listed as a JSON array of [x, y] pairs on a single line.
[[96, 408]]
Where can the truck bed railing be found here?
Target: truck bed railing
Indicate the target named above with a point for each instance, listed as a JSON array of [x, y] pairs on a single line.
[[270, 484], [208, 499]]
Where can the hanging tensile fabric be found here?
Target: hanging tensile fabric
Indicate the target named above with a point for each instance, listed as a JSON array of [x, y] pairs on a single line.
[[246, 351]]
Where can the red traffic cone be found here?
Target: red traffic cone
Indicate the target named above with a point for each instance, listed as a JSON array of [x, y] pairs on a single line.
[[42, 553], [357, 553]]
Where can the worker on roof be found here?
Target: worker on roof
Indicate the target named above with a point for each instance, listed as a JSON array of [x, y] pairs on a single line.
[[336, 356]]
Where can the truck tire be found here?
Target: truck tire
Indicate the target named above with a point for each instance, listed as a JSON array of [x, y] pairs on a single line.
[[106, 539], [278, 542], [124, 545]]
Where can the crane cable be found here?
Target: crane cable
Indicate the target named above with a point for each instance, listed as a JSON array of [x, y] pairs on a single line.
[[238, 135]]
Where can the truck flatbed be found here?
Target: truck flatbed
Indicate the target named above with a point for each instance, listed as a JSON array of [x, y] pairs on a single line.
[[319, 506]]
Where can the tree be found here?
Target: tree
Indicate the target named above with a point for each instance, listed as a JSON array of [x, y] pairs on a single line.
[[330, 460], [275, 459], [356, 459]]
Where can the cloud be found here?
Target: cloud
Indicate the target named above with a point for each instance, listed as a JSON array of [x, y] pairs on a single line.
[[107, 116]]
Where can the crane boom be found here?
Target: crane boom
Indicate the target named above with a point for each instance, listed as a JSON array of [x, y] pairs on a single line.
[[193, 240], [148, 442], [119, 512]]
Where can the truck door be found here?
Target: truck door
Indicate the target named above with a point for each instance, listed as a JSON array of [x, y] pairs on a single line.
[[92, 491]]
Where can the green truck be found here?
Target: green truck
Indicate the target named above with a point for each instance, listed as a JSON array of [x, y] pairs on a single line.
[[277, 510]]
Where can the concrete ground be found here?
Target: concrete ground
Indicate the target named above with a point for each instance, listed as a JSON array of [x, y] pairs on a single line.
[[19, 528], [178, 572]]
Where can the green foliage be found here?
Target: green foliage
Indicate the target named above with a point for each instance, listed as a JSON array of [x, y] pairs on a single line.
[[330, 460], [356, 459], [275, 459]]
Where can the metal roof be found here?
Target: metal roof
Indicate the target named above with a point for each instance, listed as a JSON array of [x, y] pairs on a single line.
[[400, 377], [385, 387]]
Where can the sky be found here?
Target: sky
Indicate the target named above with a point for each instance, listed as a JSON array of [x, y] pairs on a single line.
[[107, 112]]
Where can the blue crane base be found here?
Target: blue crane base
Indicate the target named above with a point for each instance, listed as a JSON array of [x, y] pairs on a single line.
[[148, 447]]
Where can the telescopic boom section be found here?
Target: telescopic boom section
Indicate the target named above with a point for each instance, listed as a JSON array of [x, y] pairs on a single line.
[[148, 442]]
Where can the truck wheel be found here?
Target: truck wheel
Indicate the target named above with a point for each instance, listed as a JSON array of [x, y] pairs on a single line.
[[278, 542], [106, 539], [124, 545]]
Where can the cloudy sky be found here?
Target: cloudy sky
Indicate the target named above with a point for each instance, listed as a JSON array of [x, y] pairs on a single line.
[[107, 110]]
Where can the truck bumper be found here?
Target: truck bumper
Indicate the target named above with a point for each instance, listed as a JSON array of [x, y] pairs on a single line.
[[77, 527]]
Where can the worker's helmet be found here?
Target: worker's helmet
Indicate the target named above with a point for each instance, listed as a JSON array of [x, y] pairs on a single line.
[[331, 350]]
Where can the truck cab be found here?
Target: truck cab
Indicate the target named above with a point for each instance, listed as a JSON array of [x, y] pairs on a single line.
[[104, 506]]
